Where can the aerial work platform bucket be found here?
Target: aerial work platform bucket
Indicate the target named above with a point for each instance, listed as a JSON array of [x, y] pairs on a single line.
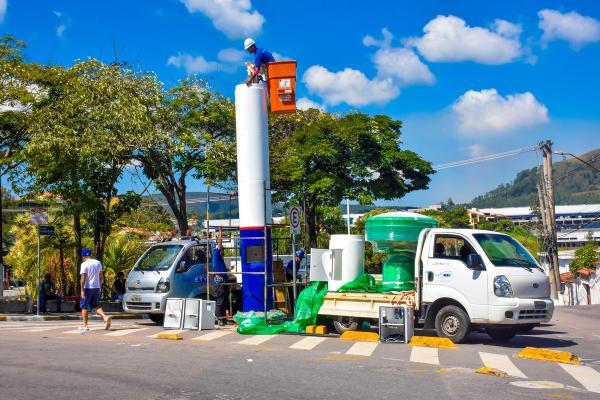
[[281, 77]]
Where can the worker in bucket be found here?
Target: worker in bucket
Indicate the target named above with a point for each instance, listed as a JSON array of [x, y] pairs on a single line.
[[262, 58], [289, 269]]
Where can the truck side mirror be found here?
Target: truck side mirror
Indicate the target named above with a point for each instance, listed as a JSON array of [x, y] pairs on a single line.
[[180, 266], [475, 262]]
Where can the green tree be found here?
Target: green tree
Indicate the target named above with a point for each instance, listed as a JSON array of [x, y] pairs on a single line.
[[456, 217], [320, 159], [199, 130], [83, 134], [585, 257]]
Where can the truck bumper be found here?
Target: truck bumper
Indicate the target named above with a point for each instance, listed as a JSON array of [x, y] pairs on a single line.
[[145, 303], [513, 311]]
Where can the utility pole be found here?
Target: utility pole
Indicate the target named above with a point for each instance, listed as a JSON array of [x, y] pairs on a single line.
[[546, 198]]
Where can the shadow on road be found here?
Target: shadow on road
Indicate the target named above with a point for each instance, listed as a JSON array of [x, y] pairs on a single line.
[[521, 341]]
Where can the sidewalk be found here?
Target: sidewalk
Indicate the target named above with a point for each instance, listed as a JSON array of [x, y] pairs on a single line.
[[65, 316]]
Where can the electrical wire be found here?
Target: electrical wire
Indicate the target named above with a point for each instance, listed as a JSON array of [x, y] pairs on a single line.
[[488, 157]]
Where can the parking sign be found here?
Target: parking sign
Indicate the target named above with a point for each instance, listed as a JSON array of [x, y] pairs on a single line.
[[295, 219]]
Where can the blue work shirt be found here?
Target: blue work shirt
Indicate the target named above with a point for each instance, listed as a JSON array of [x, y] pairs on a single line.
[[218, 264], [262, 57], [289, 270]]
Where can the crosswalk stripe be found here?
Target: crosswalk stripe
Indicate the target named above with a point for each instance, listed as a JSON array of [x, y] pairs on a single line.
[[176, 331], [308, 343], [587, 376], [34, 330], [501, 362], [212, 335], [256, 340], [40, 326], [425, 355], [123, 332], [92, 328], [362, 349]]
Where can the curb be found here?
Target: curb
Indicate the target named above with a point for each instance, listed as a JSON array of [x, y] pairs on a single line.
[[427, 341], [359, 336], [549, 355], [169, 336], [66, 317]]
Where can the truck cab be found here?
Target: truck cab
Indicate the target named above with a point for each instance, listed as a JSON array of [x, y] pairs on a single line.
[[474, 279], [175, 268]]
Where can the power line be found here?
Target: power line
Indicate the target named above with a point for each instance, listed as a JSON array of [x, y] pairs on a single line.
[[488, 157]]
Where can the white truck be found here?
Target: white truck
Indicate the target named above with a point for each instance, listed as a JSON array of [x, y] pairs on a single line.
[[465, 280]]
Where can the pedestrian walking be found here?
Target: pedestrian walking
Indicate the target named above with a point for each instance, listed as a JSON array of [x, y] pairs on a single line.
[[91, 282]]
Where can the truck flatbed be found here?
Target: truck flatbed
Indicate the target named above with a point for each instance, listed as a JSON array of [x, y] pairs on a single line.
[[362, 305]]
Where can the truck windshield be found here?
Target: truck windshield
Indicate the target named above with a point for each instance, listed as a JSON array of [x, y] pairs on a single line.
[[159, 258], [504, 251]]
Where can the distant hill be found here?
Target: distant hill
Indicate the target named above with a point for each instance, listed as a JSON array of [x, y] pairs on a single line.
[[574, 183]]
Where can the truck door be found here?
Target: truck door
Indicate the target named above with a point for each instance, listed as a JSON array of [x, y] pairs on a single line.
[[445, 274], [190, 276]]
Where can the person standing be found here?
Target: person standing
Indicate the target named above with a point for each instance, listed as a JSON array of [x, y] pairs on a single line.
[[91, 282], [220, 292], [262, 58]]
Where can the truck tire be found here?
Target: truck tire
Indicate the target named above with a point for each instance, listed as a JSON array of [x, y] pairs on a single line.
[[158, 319], [452, 322], [344, 324], [501, 334]]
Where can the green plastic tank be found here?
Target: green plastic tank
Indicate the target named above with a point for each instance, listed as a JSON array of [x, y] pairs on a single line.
[[396, 234]]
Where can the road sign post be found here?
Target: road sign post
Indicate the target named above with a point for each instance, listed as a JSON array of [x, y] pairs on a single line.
[[46, 230], [294, 229]]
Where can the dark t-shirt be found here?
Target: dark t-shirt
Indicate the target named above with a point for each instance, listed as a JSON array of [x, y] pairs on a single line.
[[119, 286]]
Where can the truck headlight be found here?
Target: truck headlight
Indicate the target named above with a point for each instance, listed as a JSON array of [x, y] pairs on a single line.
[[163, 285], [502, 286]]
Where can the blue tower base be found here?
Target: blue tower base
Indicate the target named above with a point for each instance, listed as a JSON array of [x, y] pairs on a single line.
[[252, 252]]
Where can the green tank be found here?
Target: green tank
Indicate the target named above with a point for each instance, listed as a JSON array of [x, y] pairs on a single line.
[[396, 234]]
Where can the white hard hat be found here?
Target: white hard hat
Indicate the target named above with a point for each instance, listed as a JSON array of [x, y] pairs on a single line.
[[248, 42]]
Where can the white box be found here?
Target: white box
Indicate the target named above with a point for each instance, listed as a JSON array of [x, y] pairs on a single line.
[[199, 314], [173, 313]]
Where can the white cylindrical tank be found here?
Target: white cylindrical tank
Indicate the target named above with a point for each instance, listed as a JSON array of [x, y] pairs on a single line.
[[352, 263], [252, 155]]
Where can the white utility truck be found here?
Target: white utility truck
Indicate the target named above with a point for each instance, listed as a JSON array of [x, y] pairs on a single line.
[[464, 280]]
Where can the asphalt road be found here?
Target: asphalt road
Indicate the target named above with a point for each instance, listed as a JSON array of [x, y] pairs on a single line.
[[47, 360]]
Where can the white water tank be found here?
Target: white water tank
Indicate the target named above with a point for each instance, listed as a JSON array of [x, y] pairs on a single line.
[[346, 259]]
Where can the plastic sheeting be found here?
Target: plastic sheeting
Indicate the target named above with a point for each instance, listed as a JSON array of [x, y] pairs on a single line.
[[307, 306]]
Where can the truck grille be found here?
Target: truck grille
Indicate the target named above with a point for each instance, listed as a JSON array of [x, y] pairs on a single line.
[[140, 289], [138, 306], [533, 314]]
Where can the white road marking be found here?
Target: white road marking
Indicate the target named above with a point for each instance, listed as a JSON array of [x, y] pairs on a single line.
[[256, 340], [501, 362], [123, 332], [425, 355], [307, 343], [212, 335], [92, 328], [176, 331], [40, 326], [587, 376], [362, 349]]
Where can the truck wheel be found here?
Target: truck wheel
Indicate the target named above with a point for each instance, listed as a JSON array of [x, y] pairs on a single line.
[[344, 324], [501, 334], [158, 319], [452, 322]]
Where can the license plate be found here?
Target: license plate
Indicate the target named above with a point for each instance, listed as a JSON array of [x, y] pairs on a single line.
[[136, 298], [539, 305]]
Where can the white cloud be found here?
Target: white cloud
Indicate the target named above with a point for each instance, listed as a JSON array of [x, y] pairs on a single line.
[[385, 42], [235, 18], [450, 39], [475, 150], [349, 86], [191, 64], [488, 112], [60, 30], [575, 28], [231, 56], [3, 6], [397, 67], [305, 103], [403, 65]]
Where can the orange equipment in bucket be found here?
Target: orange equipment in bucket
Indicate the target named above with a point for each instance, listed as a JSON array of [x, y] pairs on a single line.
[[281, 78]]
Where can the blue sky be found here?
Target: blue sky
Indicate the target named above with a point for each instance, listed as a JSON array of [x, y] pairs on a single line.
[[467, 78]]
